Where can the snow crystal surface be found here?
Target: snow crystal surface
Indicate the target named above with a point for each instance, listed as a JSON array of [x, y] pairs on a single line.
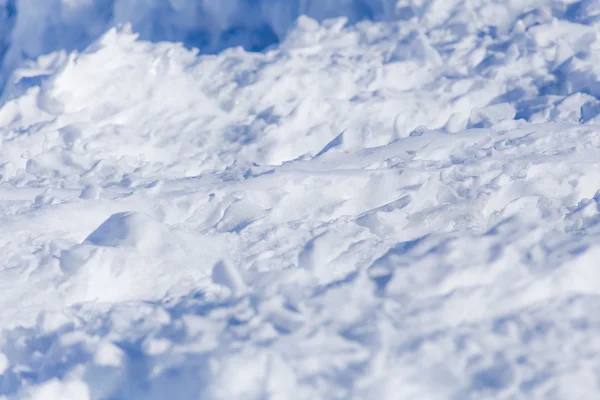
[[277, 199]]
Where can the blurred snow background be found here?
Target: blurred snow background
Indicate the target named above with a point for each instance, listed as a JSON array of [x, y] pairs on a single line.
[[30, 28]]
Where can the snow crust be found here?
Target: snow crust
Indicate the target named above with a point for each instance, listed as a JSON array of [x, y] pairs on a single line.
[[400, 203]]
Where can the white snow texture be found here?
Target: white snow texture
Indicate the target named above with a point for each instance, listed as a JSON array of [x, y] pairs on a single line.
[[299, 199]]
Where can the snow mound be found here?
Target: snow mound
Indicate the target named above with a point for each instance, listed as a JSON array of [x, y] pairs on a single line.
[[129, 256], [131, 229]]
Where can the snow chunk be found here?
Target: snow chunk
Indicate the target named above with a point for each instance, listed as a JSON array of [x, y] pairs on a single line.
[[49, 321], [489, 116], [90, 192], [108, 355], [59, 390], [155, 346], [227, 274], [4, 363], [130, 229]]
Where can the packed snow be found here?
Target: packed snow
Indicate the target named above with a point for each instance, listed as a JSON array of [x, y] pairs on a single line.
[[296, 199]]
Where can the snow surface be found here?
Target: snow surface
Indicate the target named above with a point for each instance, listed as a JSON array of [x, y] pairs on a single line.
[[399, 203]]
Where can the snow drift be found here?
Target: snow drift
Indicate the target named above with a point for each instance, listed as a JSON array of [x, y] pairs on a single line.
[[400, 203]]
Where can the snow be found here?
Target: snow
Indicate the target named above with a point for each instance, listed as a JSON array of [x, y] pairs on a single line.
[[342, 199]]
